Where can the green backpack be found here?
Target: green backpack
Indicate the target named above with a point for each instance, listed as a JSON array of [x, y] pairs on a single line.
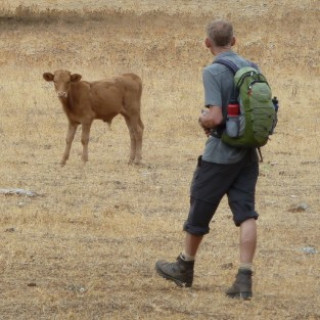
[[257, 111]]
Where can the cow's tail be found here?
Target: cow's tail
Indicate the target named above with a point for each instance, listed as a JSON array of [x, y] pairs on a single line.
[[140, 88], [138, 80]]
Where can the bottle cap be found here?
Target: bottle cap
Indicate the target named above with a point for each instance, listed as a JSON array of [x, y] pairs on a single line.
[[233, 109]]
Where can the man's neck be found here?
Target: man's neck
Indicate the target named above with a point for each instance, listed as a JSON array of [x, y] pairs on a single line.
[[218, 50]]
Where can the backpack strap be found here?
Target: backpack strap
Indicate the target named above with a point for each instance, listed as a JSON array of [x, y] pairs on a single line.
[[233, 68], [229, 64], [260, 154]]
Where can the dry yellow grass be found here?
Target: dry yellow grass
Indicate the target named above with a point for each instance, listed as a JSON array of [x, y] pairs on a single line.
[[86, 248]]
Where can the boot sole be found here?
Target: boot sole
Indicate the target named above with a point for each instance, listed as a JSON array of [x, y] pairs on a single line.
[[178, 282]]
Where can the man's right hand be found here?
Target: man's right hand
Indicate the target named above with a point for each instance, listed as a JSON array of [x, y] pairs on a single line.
[[210, 118]]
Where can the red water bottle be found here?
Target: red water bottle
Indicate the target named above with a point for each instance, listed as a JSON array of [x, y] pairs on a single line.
[[233, 109], [233, 120]]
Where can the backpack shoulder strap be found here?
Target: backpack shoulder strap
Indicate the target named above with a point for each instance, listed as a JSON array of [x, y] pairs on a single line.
[[227, 63], [233, 68]]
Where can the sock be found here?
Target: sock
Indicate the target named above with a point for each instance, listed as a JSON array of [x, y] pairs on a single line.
[[245, 266], [186, 257]]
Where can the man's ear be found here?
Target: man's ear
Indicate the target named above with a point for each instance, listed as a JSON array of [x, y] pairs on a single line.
[[233, 41], [48, 76], [207, 42], [75, 77]]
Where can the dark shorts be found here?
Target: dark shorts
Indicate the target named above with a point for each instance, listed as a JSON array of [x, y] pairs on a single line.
[[211, 182]]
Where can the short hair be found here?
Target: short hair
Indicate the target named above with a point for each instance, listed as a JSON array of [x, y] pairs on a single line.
[[220, 32]]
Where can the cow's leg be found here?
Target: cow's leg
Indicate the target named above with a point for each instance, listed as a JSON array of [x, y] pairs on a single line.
[[135, 127], [132, 139], [138, 136], [70, 136], [85, 140]]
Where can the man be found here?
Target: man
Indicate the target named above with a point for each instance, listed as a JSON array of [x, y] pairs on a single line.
[[221, 170]]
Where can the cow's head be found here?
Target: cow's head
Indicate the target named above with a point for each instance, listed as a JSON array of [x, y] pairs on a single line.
[[62, 80]]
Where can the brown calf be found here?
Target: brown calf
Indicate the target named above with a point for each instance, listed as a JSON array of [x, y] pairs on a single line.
[[84, 101]]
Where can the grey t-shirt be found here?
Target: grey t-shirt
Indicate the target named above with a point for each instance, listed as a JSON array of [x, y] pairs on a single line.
[[218, 87]]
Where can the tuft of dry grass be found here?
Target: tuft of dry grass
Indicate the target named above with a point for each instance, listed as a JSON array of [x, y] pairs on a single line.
[[86, 248]]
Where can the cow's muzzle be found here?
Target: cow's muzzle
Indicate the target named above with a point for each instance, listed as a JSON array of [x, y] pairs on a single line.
[[62, 94]]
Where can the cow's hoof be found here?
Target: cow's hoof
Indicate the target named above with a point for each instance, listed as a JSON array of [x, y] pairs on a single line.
[[84, 159]]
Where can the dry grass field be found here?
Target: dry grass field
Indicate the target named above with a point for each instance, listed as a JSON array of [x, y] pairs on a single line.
[[85, 246]]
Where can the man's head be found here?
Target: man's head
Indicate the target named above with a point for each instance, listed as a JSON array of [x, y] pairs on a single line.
[[219, 35]]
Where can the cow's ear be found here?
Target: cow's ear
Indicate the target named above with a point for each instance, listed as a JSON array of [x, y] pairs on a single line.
[[76, 77], [48, 76]]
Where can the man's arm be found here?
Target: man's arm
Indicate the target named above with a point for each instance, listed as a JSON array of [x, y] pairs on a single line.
[[210, 118]]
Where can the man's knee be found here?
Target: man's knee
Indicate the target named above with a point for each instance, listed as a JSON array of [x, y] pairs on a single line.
[[239, 219], [242, 206], [200, 215], [195, 230]]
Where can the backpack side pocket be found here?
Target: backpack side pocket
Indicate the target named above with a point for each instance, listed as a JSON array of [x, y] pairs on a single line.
[[233, 126]]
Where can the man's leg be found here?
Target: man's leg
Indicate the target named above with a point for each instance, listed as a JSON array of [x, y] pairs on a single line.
[[196, 226], [242, 287], [248, 241], [181, 271], [242, 203], [191, 245]]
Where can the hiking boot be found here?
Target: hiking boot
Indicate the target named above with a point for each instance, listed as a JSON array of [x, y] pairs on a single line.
[[242, 287], [180, 272]]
